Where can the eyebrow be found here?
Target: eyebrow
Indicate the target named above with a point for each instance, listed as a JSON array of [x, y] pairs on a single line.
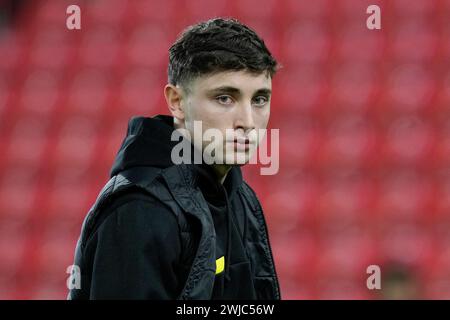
[[236, 91], [265, 91]]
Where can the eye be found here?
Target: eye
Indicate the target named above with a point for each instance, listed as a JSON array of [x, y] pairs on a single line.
[[260, 101], [224, 99]]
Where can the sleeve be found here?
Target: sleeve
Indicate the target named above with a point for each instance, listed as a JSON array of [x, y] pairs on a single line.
[[136, 254]]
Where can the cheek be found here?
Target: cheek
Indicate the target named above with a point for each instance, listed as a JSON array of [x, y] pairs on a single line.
[[211, 116], [201, 109], [195, 111], [262, 118], [201, 113]]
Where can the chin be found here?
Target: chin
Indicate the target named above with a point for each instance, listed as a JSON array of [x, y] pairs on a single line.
[[237, 159]]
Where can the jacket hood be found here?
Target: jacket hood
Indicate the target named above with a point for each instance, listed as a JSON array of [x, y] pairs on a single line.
[[147, 143]]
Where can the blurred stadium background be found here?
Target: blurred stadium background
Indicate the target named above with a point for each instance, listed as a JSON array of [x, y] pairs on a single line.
[[364, 120]]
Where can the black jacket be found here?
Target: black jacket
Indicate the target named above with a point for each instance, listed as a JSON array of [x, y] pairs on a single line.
[[157, 229]]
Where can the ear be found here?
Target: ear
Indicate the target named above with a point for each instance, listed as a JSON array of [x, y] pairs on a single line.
[[174, 97]]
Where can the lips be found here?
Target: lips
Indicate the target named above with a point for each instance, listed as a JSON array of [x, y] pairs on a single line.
[[242, 144], [242, 140]]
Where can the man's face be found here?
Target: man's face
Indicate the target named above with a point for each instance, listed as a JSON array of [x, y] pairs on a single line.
[[237, 105]]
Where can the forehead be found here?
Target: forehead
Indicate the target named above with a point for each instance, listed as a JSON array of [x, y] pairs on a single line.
[[243, 80]]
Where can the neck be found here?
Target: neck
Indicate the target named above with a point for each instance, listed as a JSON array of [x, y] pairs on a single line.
[[221, 171]]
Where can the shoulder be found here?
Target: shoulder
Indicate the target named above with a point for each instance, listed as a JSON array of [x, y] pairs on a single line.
[[141, 206], [135, 213]]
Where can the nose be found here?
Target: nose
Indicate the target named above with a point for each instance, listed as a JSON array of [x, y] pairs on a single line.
[[244, 118]]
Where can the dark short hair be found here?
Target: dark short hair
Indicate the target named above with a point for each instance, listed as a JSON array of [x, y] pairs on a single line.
[[218, 45]]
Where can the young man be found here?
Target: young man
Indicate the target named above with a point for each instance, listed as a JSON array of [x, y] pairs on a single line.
[[161, 229]]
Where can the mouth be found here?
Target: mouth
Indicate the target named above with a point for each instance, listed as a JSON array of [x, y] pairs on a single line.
[[241, 144], [241, 140]]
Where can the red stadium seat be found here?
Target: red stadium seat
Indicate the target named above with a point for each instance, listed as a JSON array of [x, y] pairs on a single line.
[[74, 145], [306, 42], [12, 50], [88, 93], [354, 86], [408, 139], [419, 8], [27, 142], [12, 249], [40, 93], [299, 142], [364, 134], [17, 193], [100, 47], [49, 12], [204, 9], [114, 15], [140, 92], [414, 40], [147, 46], [410, 89], [300, 10], [252, 9], [350, 140], [437, 279], [406, 242], [354, 44], [405, 195], [50, 41], [160, 11]]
